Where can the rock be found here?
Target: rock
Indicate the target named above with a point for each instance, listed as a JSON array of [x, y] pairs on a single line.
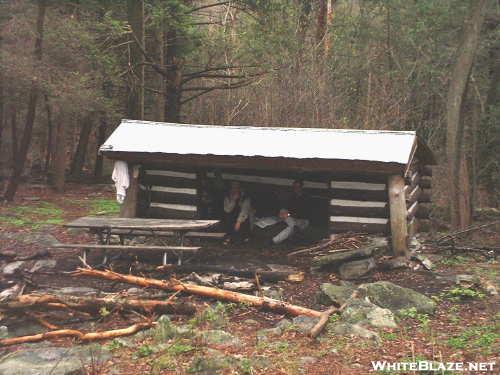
[[426, 262], [394, 263], [355, 330], [39, 239], [220, 338], [357, 269], [250, 322], [263, 334], [43, 264], [166, 330], [284, 324], [274, 292], [78, 291], [338, 258], [51, 360], [304, 323], [12, 268], [4, 332], [359, 311], [331, 294], [466, 280], [212, 362], [395, 298], [8, 254]]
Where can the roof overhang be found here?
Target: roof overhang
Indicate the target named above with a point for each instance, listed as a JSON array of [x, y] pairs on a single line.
[[297, 149]]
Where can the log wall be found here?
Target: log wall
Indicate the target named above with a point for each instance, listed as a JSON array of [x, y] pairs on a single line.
[[171, 194], [359, 204], [418, 195]]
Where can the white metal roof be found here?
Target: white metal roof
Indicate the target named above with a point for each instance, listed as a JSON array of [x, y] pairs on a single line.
[[299, 143]]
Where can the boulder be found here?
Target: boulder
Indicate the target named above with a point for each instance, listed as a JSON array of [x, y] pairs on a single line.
[[359, 311], [12, 268], [395, 298], [356, 269], [355, 330], [304, 323], [51, 360], [220, 338], [394, 263], [263, 334], [213, 362], [331, 294]]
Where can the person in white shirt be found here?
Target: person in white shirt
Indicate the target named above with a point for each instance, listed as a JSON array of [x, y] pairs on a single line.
[[237, 214]]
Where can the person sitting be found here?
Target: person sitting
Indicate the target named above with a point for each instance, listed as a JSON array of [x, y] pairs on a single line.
[[298, 204], [237, 214], [293, 224]]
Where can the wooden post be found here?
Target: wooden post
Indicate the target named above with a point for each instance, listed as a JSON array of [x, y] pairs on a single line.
[[397, 207], [129, 206]]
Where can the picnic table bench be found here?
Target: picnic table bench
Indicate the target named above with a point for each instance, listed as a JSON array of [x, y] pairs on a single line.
[[105, 227]]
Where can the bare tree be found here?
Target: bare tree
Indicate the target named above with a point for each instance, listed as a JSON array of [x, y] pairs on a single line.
[[460, 189]]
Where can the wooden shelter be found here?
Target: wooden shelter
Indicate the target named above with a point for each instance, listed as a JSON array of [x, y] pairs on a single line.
[[366, 180]]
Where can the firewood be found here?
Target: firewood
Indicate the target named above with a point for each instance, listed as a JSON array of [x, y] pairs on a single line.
[[216, 293], [81, 336]]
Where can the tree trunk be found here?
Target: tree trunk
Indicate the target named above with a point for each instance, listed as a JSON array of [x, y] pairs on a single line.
[[60, 156], [2, 99], [50, 135], [173, 78], [101, 138], [159, 53], [455, 124], [129, 206], [135, 105], [18, 167], [81, 149], [13, 131]]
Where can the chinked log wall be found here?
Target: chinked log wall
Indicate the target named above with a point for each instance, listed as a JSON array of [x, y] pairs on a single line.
[[418, 195], [357, 203]]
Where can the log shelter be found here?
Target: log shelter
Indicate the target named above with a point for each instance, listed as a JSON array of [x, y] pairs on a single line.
[[369, 181]]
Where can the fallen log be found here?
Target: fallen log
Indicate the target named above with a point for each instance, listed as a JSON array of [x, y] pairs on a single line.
[[263, 274], [93, 305], [219, 294], [81, 336]]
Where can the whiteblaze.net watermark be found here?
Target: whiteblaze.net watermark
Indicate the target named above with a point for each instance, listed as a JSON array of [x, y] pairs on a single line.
[[432, 366]]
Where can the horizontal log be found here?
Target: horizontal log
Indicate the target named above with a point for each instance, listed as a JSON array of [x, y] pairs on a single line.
[[423, 211], [359, 227], [356, 185], [157, 180], [173, 198], [172, 211], [425, 183], [193, 234], [425, 196], [362, 211], [426, 170], [362, 195], [126, 247], [413, 179]]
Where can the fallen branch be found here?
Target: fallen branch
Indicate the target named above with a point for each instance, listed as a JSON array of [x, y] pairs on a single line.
[[320, 246], [84, 337], [93, 305], [325, 316], [452, 235], [219, 294]]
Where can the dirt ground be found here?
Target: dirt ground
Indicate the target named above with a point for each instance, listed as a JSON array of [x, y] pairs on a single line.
[[463, 328]]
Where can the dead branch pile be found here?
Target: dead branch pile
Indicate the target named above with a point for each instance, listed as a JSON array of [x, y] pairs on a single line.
[[336, 243]]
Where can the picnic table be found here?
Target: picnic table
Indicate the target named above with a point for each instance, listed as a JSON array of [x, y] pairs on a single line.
[[105, 227]]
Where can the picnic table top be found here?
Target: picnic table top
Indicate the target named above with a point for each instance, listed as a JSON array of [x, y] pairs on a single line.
[[96, 222]]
